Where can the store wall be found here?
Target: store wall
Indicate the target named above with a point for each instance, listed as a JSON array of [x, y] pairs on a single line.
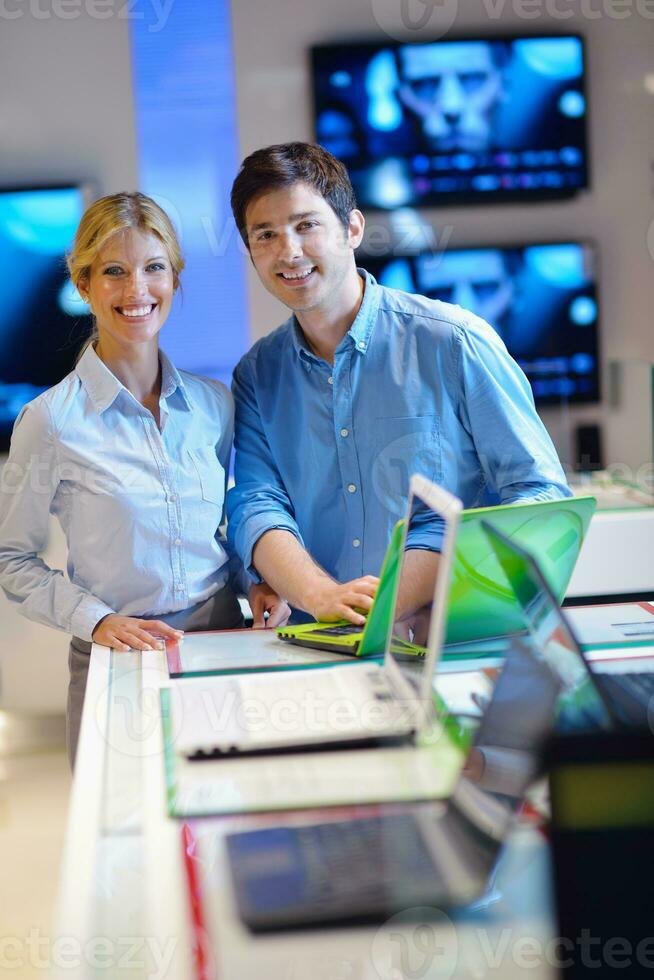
[[65, 114], [273, 86]]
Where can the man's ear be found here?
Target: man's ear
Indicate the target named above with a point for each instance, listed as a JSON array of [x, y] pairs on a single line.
[[356, 224]]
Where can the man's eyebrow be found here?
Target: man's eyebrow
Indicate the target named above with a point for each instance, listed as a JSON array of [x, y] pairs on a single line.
[[298, 216]]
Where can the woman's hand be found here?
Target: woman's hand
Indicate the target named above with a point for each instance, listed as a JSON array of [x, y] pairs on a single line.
[[125, 632], [262, 600]]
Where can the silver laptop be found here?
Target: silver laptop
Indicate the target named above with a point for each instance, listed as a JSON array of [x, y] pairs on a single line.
[[350, 705]]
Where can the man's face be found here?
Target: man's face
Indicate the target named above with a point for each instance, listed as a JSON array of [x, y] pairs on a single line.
[[452, 90], [301, 251], [476, 281]]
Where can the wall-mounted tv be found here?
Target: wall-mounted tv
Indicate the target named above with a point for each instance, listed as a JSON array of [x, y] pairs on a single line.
[[451, 122], [43, 321], [542, 300]]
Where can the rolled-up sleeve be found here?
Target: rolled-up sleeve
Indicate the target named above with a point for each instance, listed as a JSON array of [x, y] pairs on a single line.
[[259, 501], [497, 408], [29, 482]]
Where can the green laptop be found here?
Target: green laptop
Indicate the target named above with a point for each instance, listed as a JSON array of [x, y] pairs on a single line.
[[482, 604], [346, 638]]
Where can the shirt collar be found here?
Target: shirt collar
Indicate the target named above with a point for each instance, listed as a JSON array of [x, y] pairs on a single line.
[[103, 387], [362, 326]]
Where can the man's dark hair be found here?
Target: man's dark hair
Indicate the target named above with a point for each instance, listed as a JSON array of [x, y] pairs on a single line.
[[279, 166]]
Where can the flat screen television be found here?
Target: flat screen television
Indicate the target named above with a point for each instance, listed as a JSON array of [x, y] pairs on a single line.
[[43, 321], [542, 300], [452, 122]]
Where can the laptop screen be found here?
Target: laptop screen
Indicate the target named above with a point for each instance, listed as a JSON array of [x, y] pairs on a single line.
[[581, 705], [418, 618]]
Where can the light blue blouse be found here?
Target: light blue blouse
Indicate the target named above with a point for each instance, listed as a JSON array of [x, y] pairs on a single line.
[[140, 507]]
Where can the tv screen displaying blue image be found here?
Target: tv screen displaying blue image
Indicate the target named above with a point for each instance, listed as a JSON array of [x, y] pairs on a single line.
[[43, 321], [541, 299], [455, 121]]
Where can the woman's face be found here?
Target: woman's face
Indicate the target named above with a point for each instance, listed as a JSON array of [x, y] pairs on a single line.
[[130, 289]]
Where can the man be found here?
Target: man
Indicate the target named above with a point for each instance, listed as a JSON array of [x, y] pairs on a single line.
[[361, 387], [452, 92]]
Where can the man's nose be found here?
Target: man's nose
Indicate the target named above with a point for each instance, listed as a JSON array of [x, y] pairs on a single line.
[[451, 98], [289, 247]]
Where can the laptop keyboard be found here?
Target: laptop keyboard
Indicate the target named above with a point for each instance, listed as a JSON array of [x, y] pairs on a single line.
[[363, 857], [346, 629]]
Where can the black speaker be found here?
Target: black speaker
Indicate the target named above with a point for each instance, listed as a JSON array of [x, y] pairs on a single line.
[[588, 448]]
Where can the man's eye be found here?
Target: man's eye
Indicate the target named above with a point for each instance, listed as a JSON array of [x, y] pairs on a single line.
[[307, 225], [265, 236], [472, 80]]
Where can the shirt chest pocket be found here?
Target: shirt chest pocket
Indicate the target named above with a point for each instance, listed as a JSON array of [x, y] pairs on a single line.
[[404, 446], [208, 471]]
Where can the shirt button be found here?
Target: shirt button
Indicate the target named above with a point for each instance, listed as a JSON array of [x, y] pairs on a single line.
[[344, 433], [330, 380], [361, 345], [173, 497], [351, 488], [356, 543], [177, 542]]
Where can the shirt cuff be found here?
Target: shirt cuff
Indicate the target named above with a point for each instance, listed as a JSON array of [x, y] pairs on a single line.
[[87, 615]]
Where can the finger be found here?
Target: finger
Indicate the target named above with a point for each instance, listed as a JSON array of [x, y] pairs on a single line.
[[363, 588], [161, 627], [258, 607], [152, 641], [116, 643], [345, 612], [279, 613], [360, 600], [135, 642]]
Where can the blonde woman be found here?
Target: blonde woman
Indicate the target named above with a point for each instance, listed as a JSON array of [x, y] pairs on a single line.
[[131, 455]]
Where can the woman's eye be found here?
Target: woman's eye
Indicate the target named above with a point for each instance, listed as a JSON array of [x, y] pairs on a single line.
[[156, 267], [113, 270]]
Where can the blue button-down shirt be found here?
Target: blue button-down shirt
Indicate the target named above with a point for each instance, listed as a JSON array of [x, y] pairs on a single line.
[[140, 507], [417, 385]]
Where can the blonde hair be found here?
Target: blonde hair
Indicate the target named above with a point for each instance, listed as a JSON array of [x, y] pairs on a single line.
[[112, 214]]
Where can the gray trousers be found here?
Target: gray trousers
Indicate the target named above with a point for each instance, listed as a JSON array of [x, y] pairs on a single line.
[[221, 611]]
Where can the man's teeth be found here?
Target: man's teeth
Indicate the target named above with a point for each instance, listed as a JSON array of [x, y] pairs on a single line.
[[297, 275], [137, 311]]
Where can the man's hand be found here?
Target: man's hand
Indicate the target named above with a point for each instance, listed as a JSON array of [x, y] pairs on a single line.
[[262, 600], [333, 601], [125, 632]]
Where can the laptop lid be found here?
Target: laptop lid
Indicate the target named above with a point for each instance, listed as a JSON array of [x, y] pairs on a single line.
[[583, 705], [482, 603], [417, 624]]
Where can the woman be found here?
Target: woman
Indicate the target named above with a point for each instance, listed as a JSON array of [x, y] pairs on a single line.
[[132, 456]]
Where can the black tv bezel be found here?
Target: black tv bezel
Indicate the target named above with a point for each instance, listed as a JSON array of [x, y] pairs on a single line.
[[542, 402], [86, 188], [468, 199]]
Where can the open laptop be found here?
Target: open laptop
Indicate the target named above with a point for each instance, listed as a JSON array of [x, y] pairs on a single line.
[[599, 697], [348, 705], [346, 638], [421, 855], [481, 602]]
